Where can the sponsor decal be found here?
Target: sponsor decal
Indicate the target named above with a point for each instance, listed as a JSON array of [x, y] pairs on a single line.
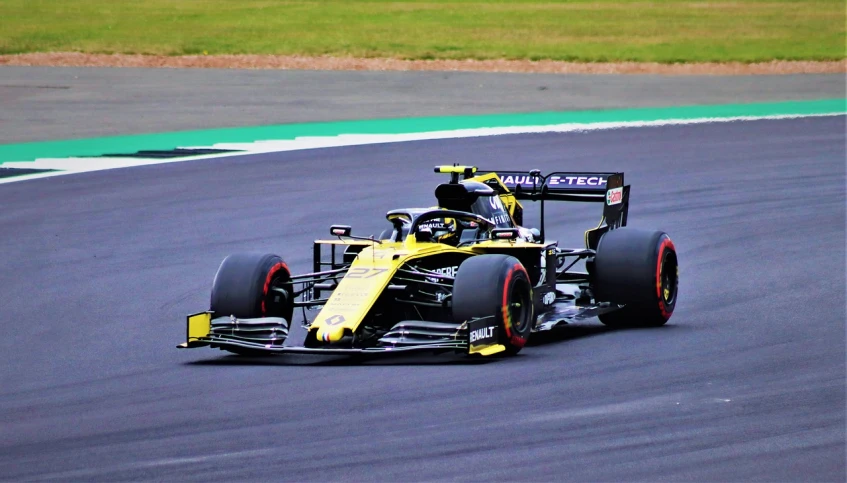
[[500, 219], [481, 332], [365, 272], [342, 304], [521, 180], [495, 202], [446, 271], [434, 225], [345, 294], [548, 298], [341, 299], [614, 196], [484, 333], [574, 181], [334, 320], [577, 181]]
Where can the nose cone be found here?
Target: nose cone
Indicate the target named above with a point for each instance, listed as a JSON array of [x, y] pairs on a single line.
[[330, 334]]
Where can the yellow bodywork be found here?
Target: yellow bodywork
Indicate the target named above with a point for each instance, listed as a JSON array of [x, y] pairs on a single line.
[[369, 275], [356, 292], [199, 325], [364, 282], [196, 326], [487, 350]]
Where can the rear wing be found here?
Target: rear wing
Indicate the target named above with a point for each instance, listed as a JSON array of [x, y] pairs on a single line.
[[560, 186], [607, 188]]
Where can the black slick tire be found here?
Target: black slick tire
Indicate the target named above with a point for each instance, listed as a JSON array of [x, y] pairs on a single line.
[[242, 283], [242, 288], [638, 269], [498, 286]]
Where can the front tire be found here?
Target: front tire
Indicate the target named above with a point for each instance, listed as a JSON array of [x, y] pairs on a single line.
[[243, 288], [638, 269], [498, 286]]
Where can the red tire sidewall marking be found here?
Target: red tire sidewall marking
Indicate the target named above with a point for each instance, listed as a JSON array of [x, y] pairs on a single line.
[[515, 339], [663, 246], [273, 271]]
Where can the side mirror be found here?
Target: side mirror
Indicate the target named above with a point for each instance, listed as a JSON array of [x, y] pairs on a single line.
[[505, 234], [340, 230]]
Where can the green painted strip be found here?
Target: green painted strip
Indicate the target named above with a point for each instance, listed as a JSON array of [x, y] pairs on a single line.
[[166, 141]]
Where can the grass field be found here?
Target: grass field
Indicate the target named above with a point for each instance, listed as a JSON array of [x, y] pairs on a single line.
[[660, 31]]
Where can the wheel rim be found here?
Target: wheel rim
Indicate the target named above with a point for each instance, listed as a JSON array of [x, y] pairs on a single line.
[[271, 307], [519, 306], [669, 278]]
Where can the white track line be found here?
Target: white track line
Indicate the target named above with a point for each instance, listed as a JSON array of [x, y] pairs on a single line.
[[83, 165]]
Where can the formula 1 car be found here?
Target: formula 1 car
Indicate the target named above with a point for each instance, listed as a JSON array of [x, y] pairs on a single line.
[[464, 276]]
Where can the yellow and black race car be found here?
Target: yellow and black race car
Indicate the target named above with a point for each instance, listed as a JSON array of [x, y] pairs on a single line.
[[464, 276]]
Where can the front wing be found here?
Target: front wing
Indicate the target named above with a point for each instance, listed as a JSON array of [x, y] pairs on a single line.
[[474, 337], [269, 334]]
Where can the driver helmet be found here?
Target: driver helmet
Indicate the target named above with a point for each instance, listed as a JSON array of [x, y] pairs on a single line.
[[439, 231]]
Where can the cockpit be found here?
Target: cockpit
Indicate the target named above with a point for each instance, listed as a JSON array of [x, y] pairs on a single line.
[[467, 196]]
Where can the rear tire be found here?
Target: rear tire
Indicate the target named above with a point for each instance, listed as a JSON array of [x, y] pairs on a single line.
[[639, 270], [242, 288], [498, 286]]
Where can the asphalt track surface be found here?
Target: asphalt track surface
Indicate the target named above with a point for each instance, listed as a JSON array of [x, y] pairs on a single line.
[[747, 382], [46, 103]]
